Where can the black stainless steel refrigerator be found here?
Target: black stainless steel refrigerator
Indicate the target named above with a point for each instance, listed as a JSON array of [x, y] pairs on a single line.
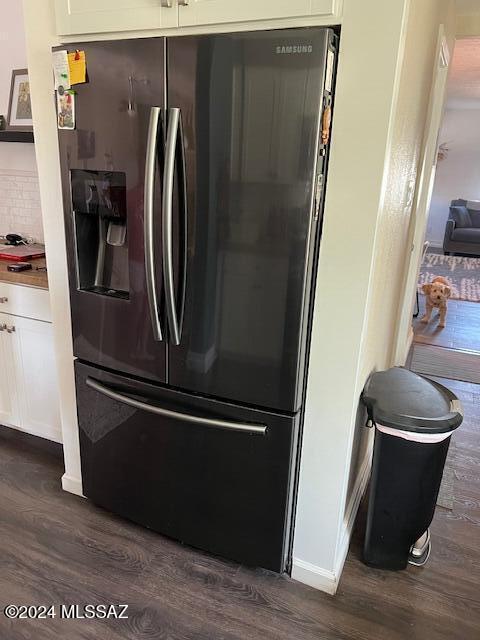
[[193, 186]]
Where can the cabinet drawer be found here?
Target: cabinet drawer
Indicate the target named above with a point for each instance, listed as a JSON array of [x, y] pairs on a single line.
[[24, 301]]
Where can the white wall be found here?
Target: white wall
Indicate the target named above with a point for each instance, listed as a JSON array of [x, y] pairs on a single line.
[[20, 210], [17, 160], [468, 25], [384, 86], [12, 47], [40, 29], [458, 176], [377, 133], [425, 171], [366, 87], [392, 249]]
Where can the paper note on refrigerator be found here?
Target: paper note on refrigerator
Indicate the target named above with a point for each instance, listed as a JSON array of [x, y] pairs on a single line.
[[77, 67], [65, 110], [61, 71]]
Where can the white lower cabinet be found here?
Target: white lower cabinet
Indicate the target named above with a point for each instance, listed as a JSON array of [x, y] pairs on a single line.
[[9, 412], [29, 397]]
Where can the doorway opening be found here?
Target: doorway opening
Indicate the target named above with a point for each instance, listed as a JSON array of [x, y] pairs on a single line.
[[451, 250]]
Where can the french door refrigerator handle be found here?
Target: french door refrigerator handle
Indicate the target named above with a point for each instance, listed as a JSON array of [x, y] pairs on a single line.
[[167, 230], [256, 429], [150, 165], [183, 224]]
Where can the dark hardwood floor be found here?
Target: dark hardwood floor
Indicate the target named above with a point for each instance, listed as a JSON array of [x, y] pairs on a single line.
[[462, 330], [59, 549]]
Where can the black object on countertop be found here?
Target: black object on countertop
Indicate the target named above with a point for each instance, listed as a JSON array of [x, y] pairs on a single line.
[[13, 239], [19, 266], [414, 418]]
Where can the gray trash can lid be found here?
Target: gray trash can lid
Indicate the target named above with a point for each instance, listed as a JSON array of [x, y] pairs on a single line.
[[404, 400]]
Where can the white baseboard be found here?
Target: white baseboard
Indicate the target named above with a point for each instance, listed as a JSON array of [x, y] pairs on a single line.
[[314, 576], [324, 579], [54, 436], [72, 485]]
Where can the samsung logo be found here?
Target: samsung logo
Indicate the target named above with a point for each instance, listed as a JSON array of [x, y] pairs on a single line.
[[304, 48]]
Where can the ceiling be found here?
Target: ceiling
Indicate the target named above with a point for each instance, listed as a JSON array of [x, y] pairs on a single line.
[[466, 7], [464, 79]]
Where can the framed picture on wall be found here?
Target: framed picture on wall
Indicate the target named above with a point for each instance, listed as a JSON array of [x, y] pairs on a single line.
[[19, 106]]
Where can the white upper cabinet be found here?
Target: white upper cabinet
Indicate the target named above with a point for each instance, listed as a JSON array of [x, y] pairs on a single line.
[[75, 17], [97, 16], [199, 12]]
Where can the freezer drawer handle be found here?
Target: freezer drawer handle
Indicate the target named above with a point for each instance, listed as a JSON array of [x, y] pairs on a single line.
[[256, 429], [173, 145], [150, 162]]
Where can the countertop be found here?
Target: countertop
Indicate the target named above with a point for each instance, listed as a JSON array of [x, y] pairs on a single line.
[[31, 278]]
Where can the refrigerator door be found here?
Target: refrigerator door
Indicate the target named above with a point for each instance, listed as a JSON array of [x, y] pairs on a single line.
[[250, 107], [210, 474], [112, 165]]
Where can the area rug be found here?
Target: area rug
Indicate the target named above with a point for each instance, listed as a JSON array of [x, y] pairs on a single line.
[[462, 273]]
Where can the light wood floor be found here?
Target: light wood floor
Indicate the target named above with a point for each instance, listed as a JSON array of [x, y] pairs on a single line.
[[462, 330], [58, 548]]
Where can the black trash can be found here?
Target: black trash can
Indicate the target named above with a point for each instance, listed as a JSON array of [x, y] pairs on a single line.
[[414, 418]]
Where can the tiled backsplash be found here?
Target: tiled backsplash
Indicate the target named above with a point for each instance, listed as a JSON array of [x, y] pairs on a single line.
[[20, 210]]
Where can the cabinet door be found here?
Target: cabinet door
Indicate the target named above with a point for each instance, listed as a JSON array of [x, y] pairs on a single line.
[[194, 12], [9, 413], [96, 16], [35, 376]]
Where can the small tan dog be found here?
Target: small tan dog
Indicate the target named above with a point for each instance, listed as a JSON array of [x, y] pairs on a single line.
[[436, 293]]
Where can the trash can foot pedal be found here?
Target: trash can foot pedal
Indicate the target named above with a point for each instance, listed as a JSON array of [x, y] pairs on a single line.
[[420, 551]]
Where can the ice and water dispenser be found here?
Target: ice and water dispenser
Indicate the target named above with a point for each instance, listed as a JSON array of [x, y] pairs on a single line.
[[99, 201]]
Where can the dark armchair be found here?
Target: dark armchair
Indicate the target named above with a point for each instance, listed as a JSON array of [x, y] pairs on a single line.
[[462, 231]]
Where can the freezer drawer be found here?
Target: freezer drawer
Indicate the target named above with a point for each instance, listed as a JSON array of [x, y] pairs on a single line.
[[210, 474]]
